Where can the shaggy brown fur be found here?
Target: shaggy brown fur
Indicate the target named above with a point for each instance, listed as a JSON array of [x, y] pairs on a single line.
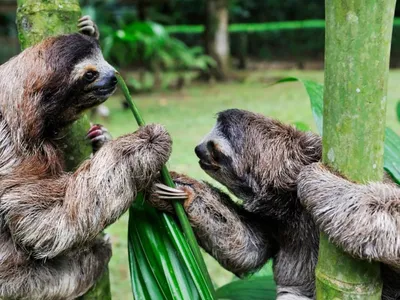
[[259, 160], [49, 219]]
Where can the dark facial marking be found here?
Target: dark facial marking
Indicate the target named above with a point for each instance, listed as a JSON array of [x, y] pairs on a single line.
[[90, 76], [230, 125]]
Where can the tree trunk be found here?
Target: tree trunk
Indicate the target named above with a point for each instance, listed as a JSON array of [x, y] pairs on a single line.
[[357, 48], [37, 20], [217, 36]]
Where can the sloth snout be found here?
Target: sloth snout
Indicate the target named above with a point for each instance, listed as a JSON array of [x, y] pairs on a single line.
[[109, 80], [201, 151]]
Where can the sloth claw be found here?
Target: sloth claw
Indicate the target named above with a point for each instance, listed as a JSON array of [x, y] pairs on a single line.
[[88, 27], [167, 193], [98, 136]]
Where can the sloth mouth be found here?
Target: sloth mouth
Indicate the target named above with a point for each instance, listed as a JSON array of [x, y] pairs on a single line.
[[206, 166], [105, 91]]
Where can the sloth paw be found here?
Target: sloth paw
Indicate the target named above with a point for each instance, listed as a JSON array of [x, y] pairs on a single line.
[[162, 196], [88, 27], [98, 136]]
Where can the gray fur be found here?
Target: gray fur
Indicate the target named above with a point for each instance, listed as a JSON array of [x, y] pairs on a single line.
[[364, 220], [258, 159], [50, 220], [273, 168]]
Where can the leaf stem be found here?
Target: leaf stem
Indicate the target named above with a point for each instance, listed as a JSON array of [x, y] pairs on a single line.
[[180, 212]]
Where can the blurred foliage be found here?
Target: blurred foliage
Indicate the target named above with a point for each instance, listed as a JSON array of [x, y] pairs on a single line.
[[145, 45], [149, 43], [298, 45]]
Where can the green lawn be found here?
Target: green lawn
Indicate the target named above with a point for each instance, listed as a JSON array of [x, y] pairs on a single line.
[[189, 114]]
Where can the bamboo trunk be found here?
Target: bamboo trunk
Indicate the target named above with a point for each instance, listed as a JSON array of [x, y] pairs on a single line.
[[357, 48], [36, 20]]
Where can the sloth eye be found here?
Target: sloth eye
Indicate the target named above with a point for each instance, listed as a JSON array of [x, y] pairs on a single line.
[[90, 76], [215, 153]]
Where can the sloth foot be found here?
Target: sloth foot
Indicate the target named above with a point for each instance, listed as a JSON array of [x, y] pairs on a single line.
[[168, 193], [88, 27], [98, 136]]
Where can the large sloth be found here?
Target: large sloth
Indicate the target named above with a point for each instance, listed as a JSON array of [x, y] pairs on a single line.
[[50, 220], [259, 160]]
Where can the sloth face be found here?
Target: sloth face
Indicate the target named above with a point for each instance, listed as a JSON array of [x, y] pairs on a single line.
[[77, 78], [222, 153], [252, 155], [95, 80]]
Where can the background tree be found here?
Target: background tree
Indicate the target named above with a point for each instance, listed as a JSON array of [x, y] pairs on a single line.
[[37, 20], [217, 36]]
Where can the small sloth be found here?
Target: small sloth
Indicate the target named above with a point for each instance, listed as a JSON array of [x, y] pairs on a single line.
[[259, 160], [50, 220]]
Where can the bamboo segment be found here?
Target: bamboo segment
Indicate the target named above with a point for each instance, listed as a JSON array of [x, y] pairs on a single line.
[[357, 48]]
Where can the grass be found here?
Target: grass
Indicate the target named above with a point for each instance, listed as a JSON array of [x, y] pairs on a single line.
[[190, 114]]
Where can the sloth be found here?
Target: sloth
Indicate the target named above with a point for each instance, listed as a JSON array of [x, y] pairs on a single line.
[[51, 220], [259, 160]]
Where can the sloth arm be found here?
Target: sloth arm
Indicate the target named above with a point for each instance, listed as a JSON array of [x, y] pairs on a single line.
[[362, 219], [48, 216], [233, 236]]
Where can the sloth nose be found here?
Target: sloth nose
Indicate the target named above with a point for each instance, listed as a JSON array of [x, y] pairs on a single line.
[[112, 79], [201, 151]]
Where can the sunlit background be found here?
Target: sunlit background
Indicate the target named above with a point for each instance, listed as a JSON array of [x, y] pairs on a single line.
[[184, 64]]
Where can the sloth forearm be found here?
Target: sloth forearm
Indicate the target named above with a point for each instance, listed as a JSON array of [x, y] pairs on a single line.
[[224, 231], [69, 216], [363, 219], [46, 217]]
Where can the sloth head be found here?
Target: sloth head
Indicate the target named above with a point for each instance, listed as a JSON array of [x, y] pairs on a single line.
[[49, 85], [250, 153]]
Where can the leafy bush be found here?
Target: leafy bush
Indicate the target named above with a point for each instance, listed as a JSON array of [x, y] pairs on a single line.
[[149, 43], [148, 46]]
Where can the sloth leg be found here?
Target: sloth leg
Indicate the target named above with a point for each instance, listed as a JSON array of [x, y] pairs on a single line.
[[87, 26], [234, 237], [362, 219], [64, 277]]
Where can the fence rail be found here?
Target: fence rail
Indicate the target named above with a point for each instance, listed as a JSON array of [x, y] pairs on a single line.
[[258, 27]]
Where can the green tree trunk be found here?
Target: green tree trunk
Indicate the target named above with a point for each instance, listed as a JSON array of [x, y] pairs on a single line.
[[357, 47], [37, 20], [217, 36]]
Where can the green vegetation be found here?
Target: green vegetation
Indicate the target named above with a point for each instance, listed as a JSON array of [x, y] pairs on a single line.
[[189, 114], [157, 245]]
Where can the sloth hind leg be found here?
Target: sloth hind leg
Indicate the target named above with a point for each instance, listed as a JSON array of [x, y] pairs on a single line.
[[65, 277]]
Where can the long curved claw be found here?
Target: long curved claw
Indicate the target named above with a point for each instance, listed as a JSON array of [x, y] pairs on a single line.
[[87, 26], [167, 193]]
